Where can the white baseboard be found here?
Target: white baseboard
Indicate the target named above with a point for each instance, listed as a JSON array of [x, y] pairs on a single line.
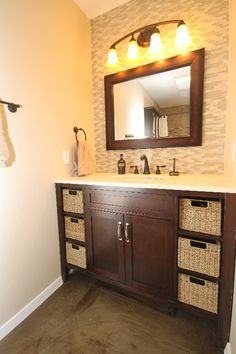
[[8, 326], [227, 349]]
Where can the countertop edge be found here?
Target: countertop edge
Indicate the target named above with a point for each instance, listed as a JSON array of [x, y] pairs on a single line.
[[198, 187]]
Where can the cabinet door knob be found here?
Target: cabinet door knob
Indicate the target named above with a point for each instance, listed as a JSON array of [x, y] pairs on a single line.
[[127, 232], [119, 230]]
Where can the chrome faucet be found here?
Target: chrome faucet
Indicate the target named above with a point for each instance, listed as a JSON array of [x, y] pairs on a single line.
[[146, 170]]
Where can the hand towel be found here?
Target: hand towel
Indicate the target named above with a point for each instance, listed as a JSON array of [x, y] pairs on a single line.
[[163, 126], [4, 153], [81, 159], [156, 123]]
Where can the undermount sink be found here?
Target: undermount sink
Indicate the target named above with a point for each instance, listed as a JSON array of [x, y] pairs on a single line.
[[154, 178], [141, 178]]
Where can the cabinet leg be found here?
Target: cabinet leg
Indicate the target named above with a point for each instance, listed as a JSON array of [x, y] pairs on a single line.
[[173, 311], [65, 275]]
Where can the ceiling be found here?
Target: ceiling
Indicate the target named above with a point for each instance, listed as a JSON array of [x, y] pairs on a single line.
[[169, 88], [94, 8]]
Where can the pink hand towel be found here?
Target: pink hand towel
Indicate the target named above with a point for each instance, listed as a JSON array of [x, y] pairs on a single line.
[[81, 159]]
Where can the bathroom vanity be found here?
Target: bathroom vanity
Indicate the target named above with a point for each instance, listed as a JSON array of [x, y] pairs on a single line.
[[169, 241]]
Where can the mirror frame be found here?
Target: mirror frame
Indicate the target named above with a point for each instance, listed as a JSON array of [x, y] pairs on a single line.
[[196, 61]]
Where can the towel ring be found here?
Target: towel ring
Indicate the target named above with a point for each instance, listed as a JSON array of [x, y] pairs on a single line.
[[75, 130]]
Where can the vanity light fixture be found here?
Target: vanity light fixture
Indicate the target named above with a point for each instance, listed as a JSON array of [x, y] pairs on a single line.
[[148, 37], [112, 57], [182, 36], [133, 52], [155, 42]]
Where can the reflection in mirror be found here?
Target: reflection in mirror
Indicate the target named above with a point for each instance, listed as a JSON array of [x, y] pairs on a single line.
[[157, 104], [154, 106]]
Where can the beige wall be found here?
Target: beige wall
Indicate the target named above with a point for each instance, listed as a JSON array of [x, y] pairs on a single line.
[[206, 30], [230, 156], [130, 102], [45, 66]]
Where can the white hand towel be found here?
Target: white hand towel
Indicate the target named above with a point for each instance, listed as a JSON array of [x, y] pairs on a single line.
[[4, 153], [157, 127], [81, 159], [166, 126], [163, 126]]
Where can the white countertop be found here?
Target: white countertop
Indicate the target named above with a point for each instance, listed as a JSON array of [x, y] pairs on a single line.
[[204, 183]]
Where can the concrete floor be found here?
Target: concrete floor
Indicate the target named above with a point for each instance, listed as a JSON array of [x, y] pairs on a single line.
[[84, 318]]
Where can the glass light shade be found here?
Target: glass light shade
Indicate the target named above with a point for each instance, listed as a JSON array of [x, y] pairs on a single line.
[[155, 43], [112, 58], [133, 52], [182, 36]]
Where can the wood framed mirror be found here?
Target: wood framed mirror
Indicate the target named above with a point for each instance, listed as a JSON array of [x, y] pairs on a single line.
[[157, 104]]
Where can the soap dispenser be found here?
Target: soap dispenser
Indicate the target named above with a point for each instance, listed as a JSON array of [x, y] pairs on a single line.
[[121, 165]]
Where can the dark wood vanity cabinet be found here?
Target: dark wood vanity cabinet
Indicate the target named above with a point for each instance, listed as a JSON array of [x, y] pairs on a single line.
[[131, 239], [150, 256], [106, 252], [173, 249], [135, 250], [72, 238]]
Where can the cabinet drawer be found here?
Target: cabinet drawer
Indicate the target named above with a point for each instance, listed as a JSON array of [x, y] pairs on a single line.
[[72, 200], [74, 228], [199, 256], [198, 292], [76, 255], [148, 203], [200, 215]]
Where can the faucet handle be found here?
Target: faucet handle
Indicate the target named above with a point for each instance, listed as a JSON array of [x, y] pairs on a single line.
[[135, 169], [174, 172], [158, 171]]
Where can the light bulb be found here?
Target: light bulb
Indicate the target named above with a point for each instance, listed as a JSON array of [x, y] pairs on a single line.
[[112, 58], [182, 36], [133, 52], [155, 43]]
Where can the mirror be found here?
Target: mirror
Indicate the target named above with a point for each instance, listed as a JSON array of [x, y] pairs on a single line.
[[157, 104]]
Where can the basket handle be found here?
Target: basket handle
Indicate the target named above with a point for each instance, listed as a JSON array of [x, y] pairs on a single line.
[[197, 281], [72, 192], [198, 244], [199, 203], [76, 247], [74, 220]]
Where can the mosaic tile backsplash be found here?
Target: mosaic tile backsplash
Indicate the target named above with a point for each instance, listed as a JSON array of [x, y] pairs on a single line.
[[206, 31]]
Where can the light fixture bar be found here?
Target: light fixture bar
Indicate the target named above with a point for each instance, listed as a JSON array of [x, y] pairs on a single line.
[[147, 27], [149, 36]]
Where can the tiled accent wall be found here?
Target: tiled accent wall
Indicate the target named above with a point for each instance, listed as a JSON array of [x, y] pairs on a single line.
[[207, 23], [178, 120]]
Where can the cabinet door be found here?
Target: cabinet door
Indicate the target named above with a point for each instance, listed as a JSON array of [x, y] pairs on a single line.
[[105, 244], [149, 252]]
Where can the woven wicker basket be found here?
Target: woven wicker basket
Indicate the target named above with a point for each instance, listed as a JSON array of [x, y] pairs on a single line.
[[198, 292], [75, 255], [74, 228], [198, 256], [200, 216], [72, 201]]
